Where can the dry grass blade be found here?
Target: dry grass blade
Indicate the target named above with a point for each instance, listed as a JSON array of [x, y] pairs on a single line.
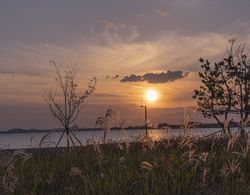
[[231, 142], [22, 154], [186, 141], [106, 122], [147, 166], [76, 171], [230, 168], [43, 140]]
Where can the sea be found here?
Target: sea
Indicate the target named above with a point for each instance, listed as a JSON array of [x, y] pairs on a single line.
[[45, 139]]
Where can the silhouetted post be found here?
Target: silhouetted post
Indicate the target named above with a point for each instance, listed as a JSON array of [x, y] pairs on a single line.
[[146, 119]]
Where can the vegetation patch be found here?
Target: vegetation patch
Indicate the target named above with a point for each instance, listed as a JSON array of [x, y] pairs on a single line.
[[171, 166]]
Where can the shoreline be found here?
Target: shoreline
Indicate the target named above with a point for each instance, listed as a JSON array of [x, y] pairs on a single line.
[[175, 127]]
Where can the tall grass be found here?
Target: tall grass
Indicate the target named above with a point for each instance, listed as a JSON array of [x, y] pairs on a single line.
[[181, 165]]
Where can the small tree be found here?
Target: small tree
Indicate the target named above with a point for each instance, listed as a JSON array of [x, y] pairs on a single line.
[[65, 102], [225, 89], [106, 122]]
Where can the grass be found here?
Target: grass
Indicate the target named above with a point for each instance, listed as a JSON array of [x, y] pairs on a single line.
[[170, 166]]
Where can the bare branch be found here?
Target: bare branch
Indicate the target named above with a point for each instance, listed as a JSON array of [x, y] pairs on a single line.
[[64, 104]]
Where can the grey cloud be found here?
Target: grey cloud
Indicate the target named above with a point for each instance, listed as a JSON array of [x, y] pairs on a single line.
[[162, 77], [132, 78]]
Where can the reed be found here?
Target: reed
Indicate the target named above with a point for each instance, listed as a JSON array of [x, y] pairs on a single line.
[[218, 165]]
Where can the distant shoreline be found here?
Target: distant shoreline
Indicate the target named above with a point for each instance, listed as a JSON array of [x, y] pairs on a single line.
[[195, 126]]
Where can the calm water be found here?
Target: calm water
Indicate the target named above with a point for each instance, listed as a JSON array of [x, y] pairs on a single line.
[[32, 140]]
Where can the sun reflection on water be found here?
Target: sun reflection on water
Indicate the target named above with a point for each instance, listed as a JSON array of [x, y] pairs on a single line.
[[165, 133], [156, 135]]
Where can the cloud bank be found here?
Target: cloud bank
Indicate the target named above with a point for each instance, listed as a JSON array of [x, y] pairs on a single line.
[[162, 77]]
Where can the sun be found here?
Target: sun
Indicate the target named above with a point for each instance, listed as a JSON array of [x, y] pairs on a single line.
[[151, 95]]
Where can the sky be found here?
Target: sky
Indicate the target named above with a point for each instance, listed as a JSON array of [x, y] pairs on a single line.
[[150, 44]]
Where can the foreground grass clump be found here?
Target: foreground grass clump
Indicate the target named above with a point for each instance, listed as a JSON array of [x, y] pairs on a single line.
[[171, 166]]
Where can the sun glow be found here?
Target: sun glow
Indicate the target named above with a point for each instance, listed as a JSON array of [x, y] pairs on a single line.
[[151, 95]]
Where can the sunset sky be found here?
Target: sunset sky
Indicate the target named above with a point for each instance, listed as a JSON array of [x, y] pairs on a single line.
[[106, 38]]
